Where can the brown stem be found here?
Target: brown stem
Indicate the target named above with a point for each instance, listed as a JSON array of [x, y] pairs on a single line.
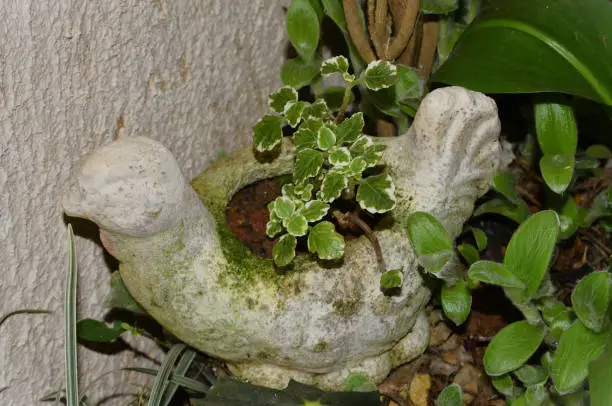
[[356, 31], [405, 27], [381, 28], [429, 44], [355, 219]]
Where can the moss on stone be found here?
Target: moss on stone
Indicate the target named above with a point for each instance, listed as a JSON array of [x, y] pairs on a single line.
[[347, 306], [321, 346]]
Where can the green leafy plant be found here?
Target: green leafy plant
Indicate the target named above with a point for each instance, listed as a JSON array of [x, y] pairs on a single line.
[[331, 156]]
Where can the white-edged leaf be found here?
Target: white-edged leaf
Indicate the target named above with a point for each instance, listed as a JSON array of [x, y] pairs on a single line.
[[273, 227], [332, 186], [296, 225], [317, 110], [315, 210], [456, 301], [267, 133], [339, 156], [591, 299], [372, 154], [305, 138], [293, 112], [303, 192], [278, 100], [357, 166], [283, 207], [359, 147], [376, 194], [495, 274], [350, 129], [308, 163], [380, 75], [337, 64], [325, 138], [391, 279], [324, 241], [284, 250]]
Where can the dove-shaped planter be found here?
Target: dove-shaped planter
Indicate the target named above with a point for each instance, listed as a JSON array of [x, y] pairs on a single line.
[[315, 323]]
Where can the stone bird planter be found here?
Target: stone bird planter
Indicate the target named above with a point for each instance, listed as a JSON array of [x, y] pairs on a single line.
[[315, 323]]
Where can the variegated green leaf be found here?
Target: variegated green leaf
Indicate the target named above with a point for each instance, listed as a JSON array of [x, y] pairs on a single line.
[[359, 147], [318, 109], [339, 156], [325, 138], [332, 186], [376, 194], [267, 133], [293, 112], [315, 210], [273, 227], [284, 250], [380, 75], [305, 138], [296, 225], [308, 163], [325, 241], [337, 64], [279, 100], [350, 129], [372, 154], [303, 192], [283, 207], [357, 166]]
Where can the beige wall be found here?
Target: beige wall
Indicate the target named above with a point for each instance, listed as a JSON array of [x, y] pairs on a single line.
[[194, 74]]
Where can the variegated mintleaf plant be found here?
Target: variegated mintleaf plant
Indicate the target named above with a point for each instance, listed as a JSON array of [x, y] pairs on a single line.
[[331, 156]]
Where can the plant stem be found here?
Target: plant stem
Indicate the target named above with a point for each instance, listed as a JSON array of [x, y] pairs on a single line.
[[356, 30], [355, 219], [345, 101]]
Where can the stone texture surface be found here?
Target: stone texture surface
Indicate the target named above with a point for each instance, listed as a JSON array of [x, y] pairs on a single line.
[[317, 322], [73, 75]]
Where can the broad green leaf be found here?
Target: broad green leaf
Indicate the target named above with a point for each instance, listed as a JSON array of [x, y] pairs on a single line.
[[599, 152], [97, 331], [480, 238], [578, 346], [119, 297], [380, 75], [335, 11], [409, 86], [296, 225], [527, 46], [530, 250], [456, 301], [556, 127], [279, 100], [284, 250], [283, 207], [293, 113], [325, 138], [334, 96], [556, 315], [600, 377], [231, 392], [439, 6], [325, 241], [305, 138], [303, 27], [517, 212], [512, 347], [469, 253], [591, 298], [350, 129], [601, 206], [557, 171], [333, 185], [504, 385], [494, 273], [427, 234], [267, 133], [337, 64], [339, 156], [505, 183], [376, 194], [570, 217], [537, 395], [391, 279], [452, 395], [298, 73], [315, 210], [531, 375], [308, 163]]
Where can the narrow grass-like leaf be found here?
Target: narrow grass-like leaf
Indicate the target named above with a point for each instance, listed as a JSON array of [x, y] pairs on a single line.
[[181, 369], [160, 384], [70, 324], [22, 311], [179, 379]]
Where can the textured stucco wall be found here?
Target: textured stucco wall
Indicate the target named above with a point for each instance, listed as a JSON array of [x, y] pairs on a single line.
[[194, 74]]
